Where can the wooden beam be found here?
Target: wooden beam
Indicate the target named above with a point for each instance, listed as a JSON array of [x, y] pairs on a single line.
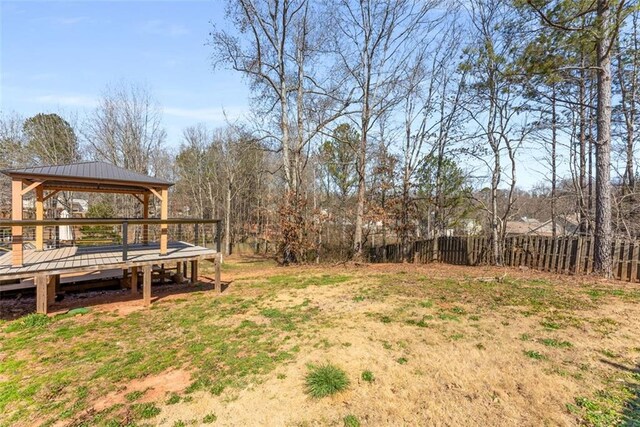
[[50, 195], [30, 187], [16, 230], [146, 285], [155, 193], [164, 214], [60, 187], [42, 288], [145, 215], [218, 284], [138, 197], [124, 282], [134, 280], [51, 288], [194, 271], [39, 217]]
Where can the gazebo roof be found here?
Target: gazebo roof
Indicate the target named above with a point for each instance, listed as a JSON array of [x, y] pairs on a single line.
[[89, 176]]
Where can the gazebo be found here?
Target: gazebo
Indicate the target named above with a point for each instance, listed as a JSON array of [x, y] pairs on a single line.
[[46, 265]]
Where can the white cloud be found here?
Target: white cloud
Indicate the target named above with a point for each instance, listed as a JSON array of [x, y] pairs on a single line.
[[67, 100]]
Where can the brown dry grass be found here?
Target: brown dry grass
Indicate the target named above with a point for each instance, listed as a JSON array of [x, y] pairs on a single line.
[[447, 345]]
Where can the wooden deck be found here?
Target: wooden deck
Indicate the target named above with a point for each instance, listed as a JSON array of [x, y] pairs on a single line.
[[77, 259]]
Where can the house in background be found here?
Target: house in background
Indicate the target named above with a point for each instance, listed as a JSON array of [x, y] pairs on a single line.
[[565, 226]]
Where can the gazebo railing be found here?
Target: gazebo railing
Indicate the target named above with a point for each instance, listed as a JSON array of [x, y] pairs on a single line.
[[123, 232]]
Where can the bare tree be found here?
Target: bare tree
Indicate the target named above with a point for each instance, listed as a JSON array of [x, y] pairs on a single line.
[[495, 109], [376, 42], [126, 128]]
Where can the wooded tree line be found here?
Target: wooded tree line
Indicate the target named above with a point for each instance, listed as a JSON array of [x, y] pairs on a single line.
[[377, 121]]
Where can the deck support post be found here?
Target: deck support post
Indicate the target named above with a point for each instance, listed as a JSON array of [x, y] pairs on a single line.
[[145, 215], [146, 285], [16, 215], [51, 288], [178, 267], [194, 271], [164, 214], [124, 283], [39, 217], [218, 285], [42, 290], [134, 280]]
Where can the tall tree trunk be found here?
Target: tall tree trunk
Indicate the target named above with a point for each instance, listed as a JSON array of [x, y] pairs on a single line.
[[602, 260], [227, 222], [554, 230]]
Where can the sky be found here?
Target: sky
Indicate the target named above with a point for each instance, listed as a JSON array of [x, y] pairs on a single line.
[[59, 56]]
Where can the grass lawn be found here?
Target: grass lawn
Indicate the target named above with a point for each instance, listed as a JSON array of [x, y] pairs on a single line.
[[322, 345]]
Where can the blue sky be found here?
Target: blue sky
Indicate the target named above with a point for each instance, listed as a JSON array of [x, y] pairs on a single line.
[[60, 55]]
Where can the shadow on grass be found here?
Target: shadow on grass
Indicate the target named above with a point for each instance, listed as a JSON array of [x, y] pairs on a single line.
[[631, 411], [11, 309]]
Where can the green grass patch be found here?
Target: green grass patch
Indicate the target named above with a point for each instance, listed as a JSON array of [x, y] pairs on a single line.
[[351, 421], [325, 380], [144, 411], [134, 395], [551, 342], [532, 354], [210, 418], [367, 376]]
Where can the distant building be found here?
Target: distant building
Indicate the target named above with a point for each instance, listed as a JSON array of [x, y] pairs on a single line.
[[565, 226]]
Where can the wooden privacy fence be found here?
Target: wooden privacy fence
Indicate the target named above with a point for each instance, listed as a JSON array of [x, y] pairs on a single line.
[[564, 255]]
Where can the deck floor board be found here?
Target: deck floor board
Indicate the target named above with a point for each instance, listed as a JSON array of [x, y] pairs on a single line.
[[95, 256]]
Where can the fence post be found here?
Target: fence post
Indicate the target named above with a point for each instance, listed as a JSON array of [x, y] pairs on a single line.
[[196, 232]]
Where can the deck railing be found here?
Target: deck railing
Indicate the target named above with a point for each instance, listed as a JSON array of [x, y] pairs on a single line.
[[114, 231]]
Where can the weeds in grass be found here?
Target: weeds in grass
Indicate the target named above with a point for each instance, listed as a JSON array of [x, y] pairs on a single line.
[[325, 380], [426, 303], [610, 354], [134, 395], [402, 360], [367, 376], [359, 298], [173, 399], [351, 421], [459, 310], [448, 317], [553, 326], [210, 418], [385, 319], [386, 345], [30, 321], [534, 354], [144, 410], [525, 337], [551, 342]]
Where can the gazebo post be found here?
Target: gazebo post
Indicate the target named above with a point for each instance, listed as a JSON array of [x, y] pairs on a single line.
[[164, 214], [39, 217], [16, 215], [145, 215]]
